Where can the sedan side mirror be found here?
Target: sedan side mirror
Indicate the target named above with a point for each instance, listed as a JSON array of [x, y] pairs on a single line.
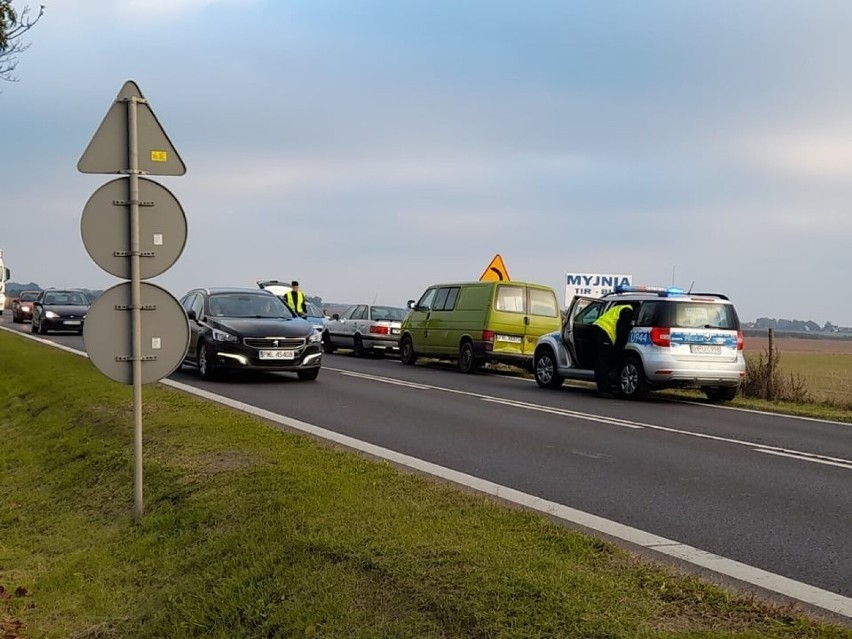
[[335, 316], [192, 315]]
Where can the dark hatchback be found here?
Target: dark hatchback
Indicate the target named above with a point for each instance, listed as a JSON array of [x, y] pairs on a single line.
[[22, 306], [248, 329], [60, 310]]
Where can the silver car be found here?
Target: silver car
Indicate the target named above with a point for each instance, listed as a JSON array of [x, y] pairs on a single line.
[[678, 340], [366, 329]]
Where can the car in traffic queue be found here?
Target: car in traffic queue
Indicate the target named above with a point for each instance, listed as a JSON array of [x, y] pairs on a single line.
[[365, 328], [678, 340], [316, 317], [248, 329], [22, 306], [59, 310]]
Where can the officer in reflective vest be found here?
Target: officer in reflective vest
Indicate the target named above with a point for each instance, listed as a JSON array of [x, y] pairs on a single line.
[[613, 327], [295, 299]]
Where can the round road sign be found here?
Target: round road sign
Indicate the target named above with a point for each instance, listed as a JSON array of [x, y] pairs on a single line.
[[105, 227], [108, 335]]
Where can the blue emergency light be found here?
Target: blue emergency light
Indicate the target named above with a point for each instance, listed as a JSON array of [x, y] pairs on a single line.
[[659, 290]]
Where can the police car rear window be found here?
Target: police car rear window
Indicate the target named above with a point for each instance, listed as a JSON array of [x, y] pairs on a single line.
[[703, 315]]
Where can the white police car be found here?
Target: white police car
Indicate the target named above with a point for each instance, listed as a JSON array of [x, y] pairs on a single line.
[[678, 340]]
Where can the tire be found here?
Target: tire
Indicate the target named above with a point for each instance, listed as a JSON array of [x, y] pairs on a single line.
[[327, 346], [467, 361], [358, 347], [41, 329], [206, 368], [719, 394], [632, 382], [16, 319], [308, 374], [406, 351], [33, 327], [544, 367]]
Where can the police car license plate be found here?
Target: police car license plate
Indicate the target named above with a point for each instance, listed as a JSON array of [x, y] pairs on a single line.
[[279, 354], [705, 349]]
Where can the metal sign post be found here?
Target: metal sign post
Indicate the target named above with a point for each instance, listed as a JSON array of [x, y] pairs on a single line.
[[130, 141]]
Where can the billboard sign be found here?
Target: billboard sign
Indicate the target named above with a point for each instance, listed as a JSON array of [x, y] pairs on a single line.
[[593, 284]]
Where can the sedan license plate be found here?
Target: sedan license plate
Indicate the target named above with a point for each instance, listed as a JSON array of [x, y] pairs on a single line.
[[72, 322], [705, 349], [277, 354]]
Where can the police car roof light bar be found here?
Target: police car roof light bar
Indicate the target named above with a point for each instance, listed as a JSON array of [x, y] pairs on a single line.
[[659, 290]]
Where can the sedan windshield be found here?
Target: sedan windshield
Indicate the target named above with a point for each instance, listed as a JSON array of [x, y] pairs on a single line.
[[248, 305], [29, 296], [61, 298]]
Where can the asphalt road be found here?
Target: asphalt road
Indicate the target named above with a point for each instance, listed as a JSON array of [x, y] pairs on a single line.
[[769, 491]]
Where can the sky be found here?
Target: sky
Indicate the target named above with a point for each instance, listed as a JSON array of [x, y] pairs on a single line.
[[370, 148]]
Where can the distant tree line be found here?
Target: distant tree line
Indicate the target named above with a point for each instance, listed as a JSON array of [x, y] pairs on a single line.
[[796, 326]]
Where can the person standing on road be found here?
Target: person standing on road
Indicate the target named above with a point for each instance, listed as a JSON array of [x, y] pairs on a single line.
[[295, 299], [613, 327]]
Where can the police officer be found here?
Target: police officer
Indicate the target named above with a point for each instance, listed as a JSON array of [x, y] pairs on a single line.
[[613, 327], [295, 299]]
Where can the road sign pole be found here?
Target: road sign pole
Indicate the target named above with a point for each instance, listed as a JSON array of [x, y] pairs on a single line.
[[135, 306]]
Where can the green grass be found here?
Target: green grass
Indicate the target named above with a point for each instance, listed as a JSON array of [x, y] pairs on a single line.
[[252, 532]]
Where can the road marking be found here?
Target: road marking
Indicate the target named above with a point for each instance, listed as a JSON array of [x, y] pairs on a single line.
[[818, 459], [614, 421]]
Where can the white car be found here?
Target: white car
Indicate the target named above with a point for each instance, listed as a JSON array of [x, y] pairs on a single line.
[[366, 329]]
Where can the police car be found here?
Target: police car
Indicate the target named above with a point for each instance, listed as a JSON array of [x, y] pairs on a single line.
[[678, 340]]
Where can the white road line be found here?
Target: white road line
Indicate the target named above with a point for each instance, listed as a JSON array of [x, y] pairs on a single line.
[[830, 461], [614, 421], [803, 592]]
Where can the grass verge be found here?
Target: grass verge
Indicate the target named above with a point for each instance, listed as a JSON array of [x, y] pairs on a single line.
[[251, 532]]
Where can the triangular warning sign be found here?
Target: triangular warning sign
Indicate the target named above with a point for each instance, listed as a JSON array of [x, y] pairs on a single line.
[[496, 271], [109, 149]]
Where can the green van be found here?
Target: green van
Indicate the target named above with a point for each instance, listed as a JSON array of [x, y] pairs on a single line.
[[479, 322]]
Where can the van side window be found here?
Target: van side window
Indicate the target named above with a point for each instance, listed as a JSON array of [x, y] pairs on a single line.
[[510, 298], [543, 303], [440, 299], [452, 296], [425, 302]]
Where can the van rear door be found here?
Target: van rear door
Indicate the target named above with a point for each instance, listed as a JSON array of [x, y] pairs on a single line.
[[542, 316]]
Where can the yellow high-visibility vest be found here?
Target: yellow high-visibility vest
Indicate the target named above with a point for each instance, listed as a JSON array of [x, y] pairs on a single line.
[[609, 320]]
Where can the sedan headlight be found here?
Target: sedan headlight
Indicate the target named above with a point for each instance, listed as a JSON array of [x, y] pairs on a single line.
[[222, 336], [51, 315], [25, 308], [316, 336]]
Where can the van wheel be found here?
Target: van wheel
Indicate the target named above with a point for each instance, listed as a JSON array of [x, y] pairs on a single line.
[[632, 382], [467, 362], [406, 351], [327, 346], [718, 394], [544, 366]]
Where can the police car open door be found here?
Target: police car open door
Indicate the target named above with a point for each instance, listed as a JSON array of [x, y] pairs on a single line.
[[578, 332]]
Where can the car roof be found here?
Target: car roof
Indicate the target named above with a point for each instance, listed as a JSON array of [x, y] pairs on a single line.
[[645, 296], [242, 290]]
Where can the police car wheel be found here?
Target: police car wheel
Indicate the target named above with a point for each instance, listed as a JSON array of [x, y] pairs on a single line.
[[631, 379], [545, 370]]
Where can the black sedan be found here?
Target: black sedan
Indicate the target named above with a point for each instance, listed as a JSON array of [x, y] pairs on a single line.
[[244, 329], [60, 310]]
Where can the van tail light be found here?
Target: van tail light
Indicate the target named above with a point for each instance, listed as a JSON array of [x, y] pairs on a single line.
[[487, 336], [661, 337], [379, 330], [740, 341]]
